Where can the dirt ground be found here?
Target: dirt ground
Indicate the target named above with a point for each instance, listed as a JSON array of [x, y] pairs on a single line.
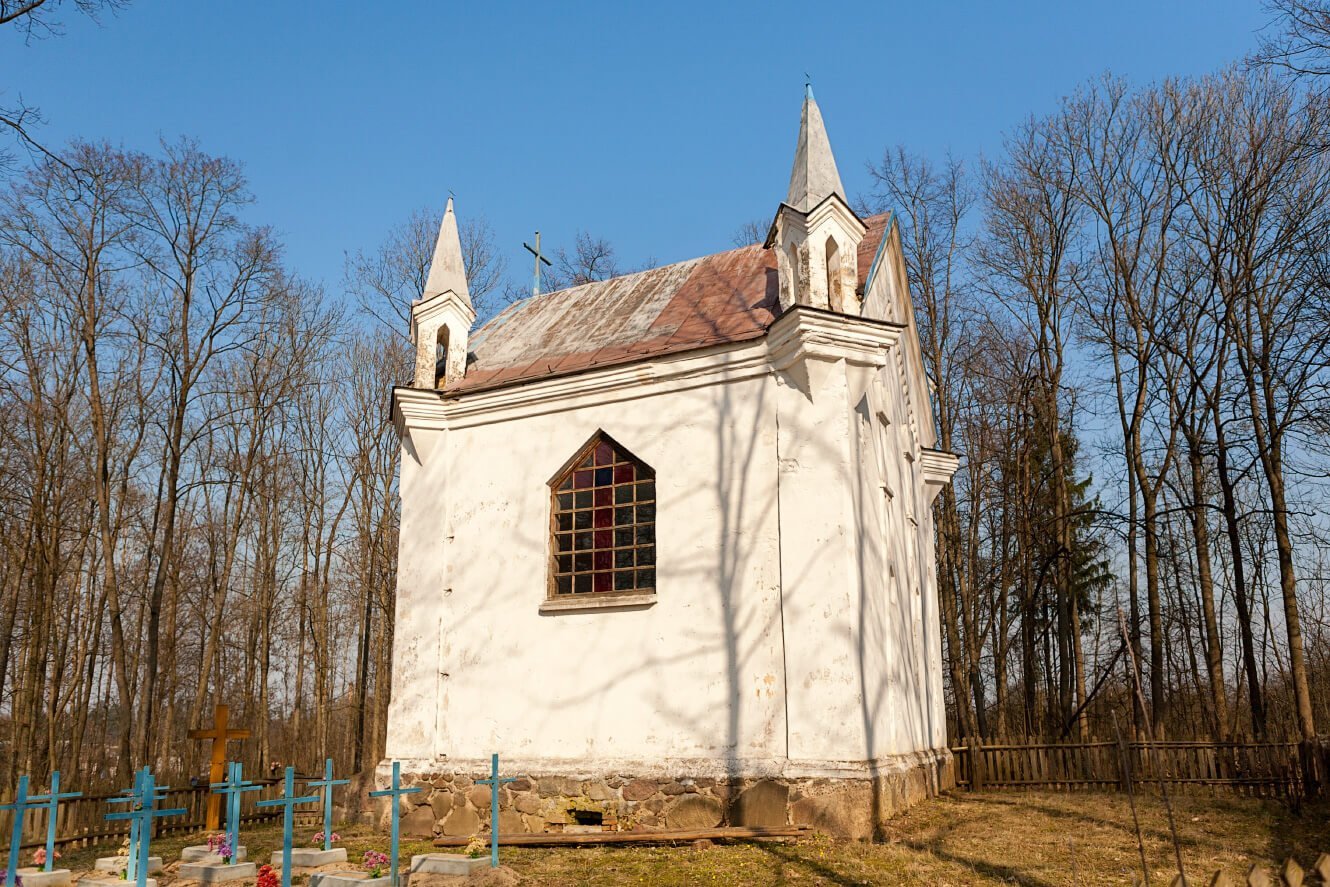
[[1034, 839]]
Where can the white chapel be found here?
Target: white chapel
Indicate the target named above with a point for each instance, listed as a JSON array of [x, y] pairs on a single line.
[[666, 539]]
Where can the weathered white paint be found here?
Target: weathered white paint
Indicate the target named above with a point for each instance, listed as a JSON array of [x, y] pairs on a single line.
[[787, 627], [794, 626]]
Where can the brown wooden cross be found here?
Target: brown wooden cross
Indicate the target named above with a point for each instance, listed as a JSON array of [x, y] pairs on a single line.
[[216, 772]]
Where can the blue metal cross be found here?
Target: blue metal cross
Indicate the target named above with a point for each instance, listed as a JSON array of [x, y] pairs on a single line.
[[20, 806], [394, 793], [327, 783], [131, 796], [52, 803], [289, 801], [233, 788], [494, 782], [144, 811]]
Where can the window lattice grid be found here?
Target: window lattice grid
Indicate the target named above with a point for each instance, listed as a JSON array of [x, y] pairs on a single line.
[[604, 524]]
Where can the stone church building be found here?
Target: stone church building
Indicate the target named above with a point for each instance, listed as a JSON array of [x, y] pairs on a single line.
[[666, 539]]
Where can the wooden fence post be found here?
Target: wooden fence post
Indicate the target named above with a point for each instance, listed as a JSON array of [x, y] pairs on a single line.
[[1124, 766], [976, 765]]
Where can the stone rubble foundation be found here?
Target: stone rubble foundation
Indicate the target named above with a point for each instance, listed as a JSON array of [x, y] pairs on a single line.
[[454, 805]]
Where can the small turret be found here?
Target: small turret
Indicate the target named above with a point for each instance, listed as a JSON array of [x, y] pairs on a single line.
[[815, 233], [441, 318]]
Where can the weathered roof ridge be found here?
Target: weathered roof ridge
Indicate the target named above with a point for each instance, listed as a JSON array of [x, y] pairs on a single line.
[[725, 297]]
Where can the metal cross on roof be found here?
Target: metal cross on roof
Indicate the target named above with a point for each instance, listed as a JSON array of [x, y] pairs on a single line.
[[535, 251], [144, 811], [234, 787], [494, 782], [395, 792], [327, 783], [289, 801], [52, 803]]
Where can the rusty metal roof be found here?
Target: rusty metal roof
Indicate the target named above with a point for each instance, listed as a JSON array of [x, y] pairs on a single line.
[[717, 299]]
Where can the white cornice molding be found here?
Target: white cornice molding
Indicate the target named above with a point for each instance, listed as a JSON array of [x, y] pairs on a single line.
[[443, 410], [441, 305], [803, 332], [938, 466], [802, 222], [419, 417]]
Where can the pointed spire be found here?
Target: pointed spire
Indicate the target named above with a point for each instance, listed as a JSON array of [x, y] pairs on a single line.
[[814, 176], [446, 271]]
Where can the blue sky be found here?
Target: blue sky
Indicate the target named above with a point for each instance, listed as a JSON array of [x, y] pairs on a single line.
[[661, 127]]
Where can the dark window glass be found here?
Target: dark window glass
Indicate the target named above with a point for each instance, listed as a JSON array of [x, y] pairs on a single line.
[[604, 511]]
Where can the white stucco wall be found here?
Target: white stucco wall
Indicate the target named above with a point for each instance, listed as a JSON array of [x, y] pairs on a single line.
[[780, 560]]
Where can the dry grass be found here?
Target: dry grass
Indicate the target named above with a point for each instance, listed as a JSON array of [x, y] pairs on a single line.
[[1031, 839]]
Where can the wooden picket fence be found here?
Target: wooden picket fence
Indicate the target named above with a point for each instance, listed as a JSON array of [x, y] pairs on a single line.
[[1290, 874], [82, 822], [1261, 769]]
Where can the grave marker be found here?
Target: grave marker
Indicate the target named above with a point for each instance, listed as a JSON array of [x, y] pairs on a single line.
[[144, 802], [52, 803], [220, 736], [394, 792], [326, 784], [494, 782], [20, 806], [289, 801]]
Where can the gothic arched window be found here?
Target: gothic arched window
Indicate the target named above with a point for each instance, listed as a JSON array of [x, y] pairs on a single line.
[[603, 522]]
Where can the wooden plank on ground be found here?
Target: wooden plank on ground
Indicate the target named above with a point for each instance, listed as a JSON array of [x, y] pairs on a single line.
[[667, 836]]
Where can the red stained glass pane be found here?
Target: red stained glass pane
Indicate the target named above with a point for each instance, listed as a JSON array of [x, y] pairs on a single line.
[[600, 500]]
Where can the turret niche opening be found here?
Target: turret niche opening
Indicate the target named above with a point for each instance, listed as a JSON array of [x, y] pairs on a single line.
[[441, 358], [794, 274], [835, 296]]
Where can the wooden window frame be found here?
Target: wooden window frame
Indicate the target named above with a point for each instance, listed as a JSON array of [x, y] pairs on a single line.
[[593, 499]]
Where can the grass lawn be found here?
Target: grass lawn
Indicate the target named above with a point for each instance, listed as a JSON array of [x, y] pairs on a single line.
[[1033, 839]]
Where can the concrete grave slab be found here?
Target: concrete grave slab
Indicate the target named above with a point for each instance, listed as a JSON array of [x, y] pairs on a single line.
[[216, 873], [37, 878], [448, 864], [346, 879], [117, 864], [112, 882], [311, 857], [201, 853]]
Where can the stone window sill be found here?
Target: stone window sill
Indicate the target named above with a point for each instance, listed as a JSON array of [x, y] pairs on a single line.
[[602, 601]]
